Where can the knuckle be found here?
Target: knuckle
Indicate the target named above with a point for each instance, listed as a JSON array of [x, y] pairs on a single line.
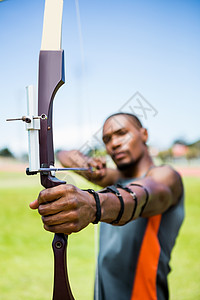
[[41, 209], [46, 220], [71, 188], [50, 228], [44, 195], [60, 188], [73, 202], [41, 195], [74, 216], [74, 227], [46, 227]]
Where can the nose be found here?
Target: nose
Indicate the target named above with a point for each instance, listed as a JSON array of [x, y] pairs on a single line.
[[116, 142]]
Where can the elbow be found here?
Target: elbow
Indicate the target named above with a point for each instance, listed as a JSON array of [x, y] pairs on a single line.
[[165, 199], [159, 203]]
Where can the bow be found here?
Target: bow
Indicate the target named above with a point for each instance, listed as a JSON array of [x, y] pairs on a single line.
[[51, 78], [39, 126]]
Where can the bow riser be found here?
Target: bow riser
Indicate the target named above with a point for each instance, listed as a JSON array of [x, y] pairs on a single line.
[[51, 78]]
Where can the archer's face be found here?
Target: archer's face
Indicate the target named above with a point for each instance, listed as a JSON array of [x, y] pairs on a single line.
[[124, 141]]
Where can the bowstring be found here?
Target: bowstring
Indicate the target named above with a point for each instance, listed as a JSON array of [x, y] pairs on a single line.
[[96, 227]]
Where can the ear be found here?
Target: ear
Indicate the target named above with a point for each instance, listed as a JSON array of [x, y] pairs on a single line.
[[144, 134]]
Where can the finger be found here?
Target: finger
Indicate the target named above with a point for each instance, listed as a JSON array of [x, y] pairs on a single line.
[[50, 208], [65, 203], [96, 166], [60, 218], [92, 163], [101, 162], [34, 204], [50, 194], [66, 228], [54, 193]]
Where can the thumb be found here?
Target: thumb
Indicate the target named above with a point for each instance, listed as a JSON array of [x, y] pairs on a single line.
[[34, 204]]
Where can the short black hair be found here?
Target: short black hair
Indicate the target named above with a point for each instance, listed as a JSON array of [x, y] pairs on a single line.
[[134, 118]]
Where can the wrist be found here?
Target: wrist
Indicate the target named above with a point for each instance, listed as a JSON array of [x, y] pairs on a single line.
[[95, 206], [109, 207]]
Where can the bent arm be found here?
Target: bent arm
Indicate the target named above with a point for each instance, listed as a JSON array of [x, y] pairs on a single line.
[[74, 209], [164, 188], [101, 175]]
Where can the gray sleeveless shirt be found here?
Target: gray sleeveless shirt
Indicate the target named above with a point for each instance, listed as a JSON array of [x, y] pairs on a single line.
[[134, 259]]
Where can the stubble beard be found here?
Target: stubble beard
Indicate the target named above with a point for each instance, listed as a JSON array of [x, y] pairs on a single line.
[[126, 166]]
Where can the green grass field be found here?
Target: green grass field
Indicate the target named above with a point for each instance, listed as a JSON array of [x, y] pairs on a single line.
[[26, 259]]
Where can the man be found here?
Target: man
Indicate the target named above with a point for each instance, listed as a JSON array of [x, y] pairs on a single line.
[[140, 216]]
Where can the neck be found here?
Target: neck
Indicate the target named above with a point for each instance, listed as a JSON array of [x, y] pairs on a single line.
[[137, 168]]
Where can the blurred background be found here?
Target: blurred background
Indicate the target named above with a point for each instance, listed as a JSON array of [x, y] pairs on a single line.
[[131, 56]]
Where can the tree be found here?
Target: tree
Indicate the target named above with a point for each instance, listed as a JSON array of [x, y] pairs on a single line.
[[5, 152]]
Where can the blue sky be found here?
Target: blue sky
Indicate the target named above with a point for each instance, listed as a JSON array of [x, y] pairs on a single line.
[[150, 47]]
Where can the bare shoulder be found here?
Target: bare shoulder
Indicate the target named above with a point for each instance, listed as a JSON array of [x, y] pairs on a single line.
[[163, 172], [168, 176]]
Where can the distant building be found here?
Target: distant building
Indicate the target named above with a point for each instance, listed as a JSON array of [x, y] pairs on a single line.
[[179, 150]]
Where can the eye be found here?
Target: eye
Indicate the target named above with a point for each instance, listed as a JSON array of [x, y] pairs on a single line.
[[106, 139], [122, 132]]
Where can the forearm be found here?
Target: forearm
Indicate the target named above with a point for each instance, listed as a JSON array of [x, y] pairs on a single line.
[[151, 199], [111, 206], [101, 175], [75, 159], [72, 158]]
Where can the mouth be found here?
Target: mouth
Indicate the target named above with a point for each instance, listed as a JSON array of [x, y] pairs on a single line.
[[119, 155]]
